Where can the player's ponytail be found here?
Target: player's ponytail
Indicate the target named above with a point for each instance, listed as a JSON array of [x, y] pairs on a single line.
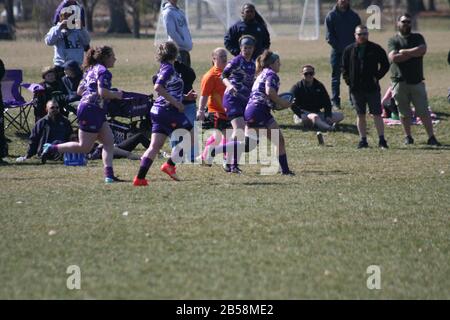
[[96, 55], [266, 59]]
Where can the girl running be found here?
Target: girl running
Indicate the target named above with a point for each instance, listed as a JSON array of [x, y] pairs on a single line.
[[167, 113], [95, 88]]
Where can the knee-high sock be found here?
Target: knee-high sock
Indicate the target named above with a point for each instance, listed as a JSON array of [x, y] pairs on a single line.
[[109, 172], [146, 163], [211, 140]]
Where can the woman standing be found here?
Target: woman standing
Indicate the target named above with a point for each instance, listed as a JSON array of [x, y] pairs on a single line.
[[167, 113], [94, 89]]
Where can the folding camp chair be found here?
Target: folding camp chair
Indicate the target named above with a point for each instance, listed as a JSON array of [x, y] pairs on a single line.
[[16, 108]]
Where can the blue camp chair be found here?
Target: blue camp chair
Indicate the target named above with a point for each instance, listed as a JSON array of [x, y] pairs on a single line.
[[13, 100]]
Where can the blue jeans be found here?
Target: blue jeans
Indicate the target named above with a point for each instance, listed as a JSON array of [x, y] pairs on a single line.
[[336, 61], [190, 110]]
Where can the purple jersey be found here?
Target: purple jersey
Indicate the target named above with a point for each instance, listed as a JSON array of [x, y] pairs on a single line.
[[241, 74], [258, 97], [172, 82], [94, 77]]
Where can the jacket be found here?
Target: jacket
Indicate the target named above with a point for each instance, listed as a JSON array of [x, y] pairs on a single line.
[[340, 28], [255, 29], [363, 75], [312, 99], [176, 26], [69, 44], [41, 133]]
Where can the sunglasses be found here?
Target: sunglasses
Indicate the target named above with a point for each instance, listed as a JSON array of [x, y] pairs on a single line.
[[308, 74], [363, 34], [406, 21]]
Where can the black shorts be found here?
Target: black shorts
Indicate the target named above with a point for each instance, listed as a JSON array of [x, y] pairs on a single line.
[[372, 99], [219, 121]]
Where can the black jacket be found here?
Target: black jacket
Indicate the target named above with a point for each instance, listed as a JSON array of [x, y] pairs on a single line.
[[71, 86], [363, 75], [312, 99], [255, 29], [41, 132]]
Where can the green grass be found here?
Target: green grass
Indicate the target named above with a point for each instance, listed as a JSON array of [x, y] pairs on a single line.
[[216, 236]]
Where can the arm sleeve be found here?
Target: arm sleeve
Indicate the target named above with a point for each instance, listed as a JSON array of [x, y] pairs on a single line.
[[207, 86], [345, 65], [85, 39], [171, 23], [104, 79], [35, 136], [229, 68], [325, 101], [2, 69], [384, 63], [392, 45], [330, 32], [231, 42], [52, 36], [296, 106], [163, 76]]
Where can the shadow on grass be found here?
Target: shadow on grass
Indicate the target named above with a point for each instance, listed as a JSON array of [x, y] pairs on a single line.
[[21, 135], [342, 127], [442, 115], [324, 172]]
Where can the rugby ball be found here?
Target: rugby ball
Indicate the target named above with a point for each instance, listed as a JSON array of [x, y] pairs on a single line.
[[285, 96]]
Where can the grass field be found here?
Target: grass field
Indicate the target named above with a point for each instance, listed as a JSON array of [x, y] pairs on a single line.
[[219, 236]]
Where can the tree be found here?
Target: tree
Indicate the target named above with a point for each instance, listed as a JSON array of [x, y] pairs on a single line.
[[89, 6], [431, 5], [9, 6], [118, 23], [134, 11]]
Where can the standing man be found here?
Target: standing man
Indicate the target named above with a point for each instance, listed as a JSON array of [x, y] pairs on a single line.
[[251, 24], [178, 30], [364, 64], [406, 51], [340, 24], [3, 144]]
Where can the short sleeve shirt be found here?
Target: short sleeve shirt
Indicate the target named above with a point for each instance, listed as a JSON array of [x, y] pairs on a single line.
[[266, 79], [171, 81], [410, 71]]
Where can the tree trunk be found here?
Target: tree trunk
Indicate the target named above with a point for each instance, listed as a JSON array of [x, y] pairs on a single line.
[[198, 25], [9, 6], [431, 5], [89, 6], [118, 23], [136, 22]]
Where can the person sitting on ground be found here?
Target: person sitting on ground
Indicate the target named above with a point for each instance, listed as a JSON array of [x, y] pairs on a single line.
[[53, 88], [311, 98], [53, 128], [71, 80]]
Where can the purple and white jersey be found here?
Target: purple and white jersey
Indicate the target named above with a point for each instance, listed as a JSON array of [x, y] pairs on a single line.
[[258, 97], [94, 77], [240, 73], [172, 82]]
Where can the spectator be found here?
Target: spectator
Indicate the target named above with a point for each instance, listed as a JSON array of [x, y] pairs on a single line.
[[65, 4], [311, 98], [340, 25], [53, 128], [364, 64], [71, 81], [251, 24], [178, 30], [68, 43], [53, 88], [406, 51], [3, 143]]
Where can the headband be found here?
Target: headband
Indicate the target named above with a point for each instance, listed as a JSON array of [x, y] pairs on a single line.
[[247, 41]]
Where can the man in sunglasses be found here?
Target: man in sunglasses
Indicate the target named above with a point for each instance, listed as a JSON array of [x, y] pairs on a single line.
[[311, 98], [406, 51], [364, 63]]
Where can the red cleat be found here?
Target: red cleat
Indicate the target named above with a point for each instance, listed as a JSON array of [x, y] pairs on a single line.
[[170, 170], [139, 182]]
